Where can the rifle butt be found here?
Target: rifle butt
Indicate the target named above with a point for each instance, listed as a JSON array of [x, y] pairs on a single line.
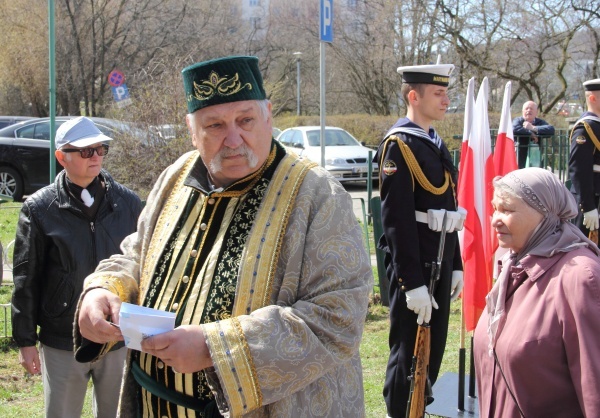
[[416, 404]]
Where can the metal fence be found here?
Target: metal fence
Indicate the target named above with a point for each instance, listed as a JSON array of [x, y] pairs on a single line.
[[553, 152]]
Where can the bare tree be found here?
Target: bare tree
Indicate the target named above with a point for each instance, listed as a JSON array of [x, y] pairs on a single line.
[[23, 79], [546, 48], [529, 46], [590, 11], [95, 37]]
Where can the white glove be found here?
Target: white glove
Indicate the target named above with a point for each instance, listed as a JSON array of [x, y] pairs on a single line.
[[457, 284], [455, 220], [463, 216], [590, 220], [419, 301], [435, 218], [452, 221]]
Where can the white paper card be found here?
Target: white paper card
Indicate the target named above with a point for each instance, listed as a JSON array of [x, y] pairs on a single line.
[[138, 322]]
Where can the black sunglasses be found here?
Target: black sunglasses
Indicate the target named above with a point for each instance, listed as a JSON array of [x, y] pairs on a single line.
[[102, 150]]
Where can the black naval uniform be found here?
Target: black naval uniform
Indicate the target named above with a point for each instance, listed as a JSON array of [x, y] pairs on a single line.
[[410, 248], [584, 167]]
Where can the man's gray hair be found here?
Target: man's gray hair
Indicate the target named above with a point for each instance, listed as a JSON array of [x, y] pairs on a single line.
[[263, 105]]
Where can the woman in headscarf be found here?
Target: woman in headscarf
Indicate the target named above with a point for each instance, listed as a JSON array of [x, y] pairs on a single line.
[[537, 348]]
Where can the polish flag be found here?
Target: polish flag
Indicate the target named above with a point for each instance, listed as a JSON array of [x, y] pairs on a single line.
[[468, 124], [475, 194], [505, 158]]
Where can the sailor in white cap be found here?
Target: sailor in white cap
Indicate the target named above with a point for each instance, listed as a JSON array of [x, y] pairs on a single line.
[[584, 161], [417, 185]]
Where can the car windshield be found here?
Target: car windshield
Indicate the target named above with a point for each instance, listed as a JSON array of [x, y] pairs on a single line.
[[333, 137]]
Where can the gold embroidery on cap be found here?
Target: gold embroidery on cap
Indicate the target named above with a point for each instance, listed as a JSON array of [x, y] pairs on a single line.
[[580, 140], [218, 85], [440, 79]]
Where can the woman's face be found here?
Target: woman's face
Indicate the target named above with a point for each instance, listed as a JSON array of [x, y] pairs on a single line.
[[514, 221]]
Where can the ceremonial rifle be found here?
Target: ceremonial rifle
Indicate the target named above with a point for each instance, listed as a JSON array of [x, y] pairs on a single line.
[[420, 385], [593, 235]]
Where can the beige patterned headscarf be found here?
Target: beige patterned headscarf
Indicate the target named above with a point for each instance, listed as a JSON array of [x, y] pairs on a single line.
[[541, 190]]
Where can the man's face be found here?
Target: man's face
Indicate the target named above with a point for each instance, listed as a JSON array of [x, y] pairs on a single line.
[[434, 102], [529, 111], [234, 139], [81, 171]]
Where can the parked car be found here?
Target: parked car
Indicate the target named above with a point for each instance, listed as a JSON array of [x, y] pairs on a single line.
[[24, 153], [346, 158], [169, 131], [276, 132], [11, 120]]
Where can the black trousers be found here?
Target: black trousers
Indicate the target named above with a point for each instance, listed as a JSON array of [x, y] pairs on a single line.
[[403, 332], [522, 150]]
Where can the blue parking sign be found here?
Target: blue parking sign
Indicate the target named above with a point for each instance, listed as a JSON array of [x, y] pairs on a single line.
[[326, 27], [120, 92]]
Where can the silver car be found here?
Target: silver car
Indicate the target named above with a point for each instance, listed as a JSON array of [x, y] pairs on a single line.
[[345, 157]]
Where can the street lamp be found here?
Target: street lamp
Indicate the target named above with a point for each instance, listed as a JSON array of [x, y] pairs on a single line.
[[297, 54]]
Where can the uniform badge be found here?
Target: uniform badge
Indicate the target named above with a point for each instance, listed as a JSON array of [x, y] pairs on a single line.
[[389, 167], [580, 140]]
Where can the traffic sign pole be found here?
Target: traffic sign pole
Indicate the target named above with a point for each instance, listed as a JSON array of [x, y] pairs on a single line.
[[326, 35]]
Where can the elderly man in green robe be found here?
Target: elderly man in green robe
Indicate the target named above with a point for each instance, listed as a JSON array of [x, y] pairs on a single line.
[[260, 257]]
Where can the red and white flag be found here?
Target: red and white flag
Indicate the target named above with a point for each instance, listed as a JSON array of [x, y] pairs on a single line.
[[505, 158], [475, 195], [469, 107]]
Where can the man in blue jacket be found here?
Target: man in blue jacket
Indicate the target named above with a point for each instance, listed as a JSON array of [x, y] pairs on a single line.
[[529, 128], [64, 231]]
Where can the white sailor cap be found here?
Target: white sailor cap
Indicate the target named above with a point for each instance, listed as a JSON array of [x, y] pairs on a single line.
[[592, 85], [438, 74]]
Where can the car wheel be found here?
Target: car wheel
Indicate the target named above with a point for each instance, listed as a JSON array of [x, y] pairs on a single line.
[[11, 183]]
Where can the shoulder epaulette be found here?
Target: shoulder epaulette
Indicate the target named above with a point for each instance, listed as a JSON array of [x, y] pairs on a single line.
[[415, 169]]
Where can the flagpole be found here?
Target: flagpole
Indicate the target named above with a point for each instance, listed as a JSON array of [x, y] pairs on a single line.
[[461, 361], [472, 375]]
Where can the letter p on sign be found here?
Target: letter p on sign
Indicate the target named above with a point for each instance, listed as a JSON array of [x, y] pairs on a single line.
[[120, 92], [327, 20]]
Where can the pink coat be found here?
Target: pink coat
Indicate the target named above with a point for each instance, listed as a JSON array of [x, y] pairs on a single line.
[[549, 349]]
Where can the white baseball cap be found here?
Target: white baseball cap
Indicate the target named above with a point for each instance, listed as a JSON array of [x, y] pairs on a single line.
[[79, 132]]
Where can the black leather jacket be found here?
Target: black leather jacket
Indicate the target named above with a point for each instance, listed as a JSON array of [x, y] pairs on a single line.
[[57, 246]]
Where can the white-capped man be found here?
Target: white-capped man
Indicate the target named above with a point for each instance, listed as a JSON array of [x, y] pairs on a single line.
[[245, 243], [417, 184], [64, 230], [584, 160]]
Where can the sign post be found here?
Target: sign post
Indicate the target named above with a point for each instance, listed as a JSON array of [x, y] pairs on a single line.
[[326, 35], [120, 92], [52, 86]]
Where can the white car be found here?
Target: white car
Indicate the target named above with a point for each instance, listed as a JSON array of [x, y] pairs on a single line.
[[345, 158]]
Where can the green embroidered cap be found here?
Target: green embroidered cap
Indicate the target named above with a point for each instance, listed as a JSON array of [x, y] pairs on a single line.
[[222, 80]]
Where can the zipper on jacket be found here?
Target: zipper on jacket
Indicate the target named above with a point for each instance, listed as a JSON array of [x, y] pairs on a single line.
[[93, 229]]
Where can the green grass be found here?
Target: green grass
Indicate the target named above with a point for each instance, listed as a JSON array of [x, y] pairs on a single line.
[[9, 214]]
